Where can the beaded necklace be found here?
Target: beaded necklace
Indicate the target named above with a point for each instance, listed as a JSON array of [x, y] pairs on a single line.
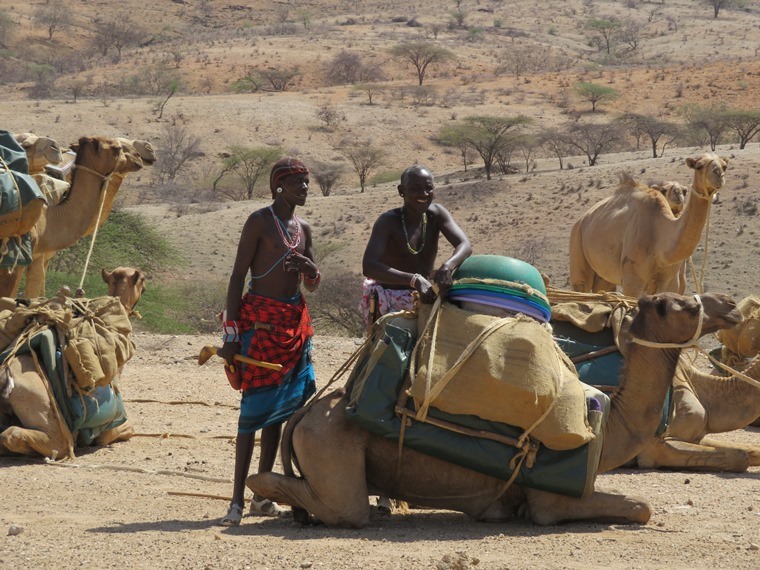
[[282, 229], [406, 235]]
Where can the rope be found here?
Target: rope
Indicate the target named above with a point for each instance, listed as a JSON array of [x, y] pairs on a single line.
[[732, 371], [103, 190], [179, 402], [136, 470]]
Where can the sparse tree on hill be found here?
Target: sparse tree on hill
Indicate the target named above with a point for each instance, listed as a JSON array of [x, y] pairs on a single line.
[[518, 60], [176, 149], [249, 83], [604, 32], [591, 138], [490, 136], [746, 124], [421, 55], [329, 115], [326, 175], [279, 78], [364, 156], [248, 164], [348, 68], [54, 15], [718, 5], [555, 141], [656, 130], [369, 89], [708, 121], [456, 136], [595, 93], [6, 27]]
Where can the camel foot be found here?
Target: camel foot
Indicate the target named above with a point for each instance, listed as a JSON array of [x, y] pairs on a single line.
[[302, 517]]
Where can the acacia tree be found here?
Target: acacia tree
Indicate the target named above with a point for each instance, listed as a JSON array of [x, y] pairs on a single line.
[[718, 5], [54, 16], [248, 164], [421, 55], [176, 149], [604, 32], [708, 121], [555, 141], [364, 156], [746, 124], [595, 93], [655, 129], [590, 138], [456, 136], [490, 136]]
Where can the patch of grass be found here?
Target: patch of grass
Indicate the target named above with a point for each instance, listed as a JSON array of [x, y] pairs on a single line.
[[384, 177], [126, 239]]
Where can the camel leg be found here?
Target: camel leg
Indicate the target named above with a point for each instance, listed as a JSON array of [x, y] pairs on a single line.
[[675, 454], [602, 285], [9, 282], [582, 276], [121, 433], [549, 508], [752, 451], [335, 447], [35, 277], [31, 442]]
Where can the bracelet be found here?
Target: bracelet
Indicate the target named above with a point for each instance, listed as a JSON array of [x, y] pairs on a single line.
[[414, 280], [313, 280], [230, 331]]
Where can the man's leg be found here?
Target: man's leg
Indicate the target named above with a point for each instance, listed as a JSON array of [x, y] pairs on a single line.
[[270, 443], [243, 453]]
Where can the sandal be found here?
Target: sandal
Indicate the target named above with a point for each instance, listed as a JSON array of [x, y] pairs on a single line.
[[233, 516], [267, 508]]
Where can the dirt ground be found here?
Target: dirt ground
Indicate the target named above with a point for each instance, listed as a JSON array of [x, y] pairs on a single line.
[[132, 504]]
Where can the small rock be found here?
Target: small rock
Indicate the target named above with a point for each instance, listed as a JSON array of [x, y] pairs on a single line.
[[15, 530], [306, 564], [687, 481], [754, 546]]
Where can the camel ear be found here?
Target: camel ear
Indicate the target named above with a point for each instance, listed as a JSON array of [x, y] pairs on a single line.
[[725, 160], [691, 163], [137, 277], [74, 146], [106, 275], [658, 188]]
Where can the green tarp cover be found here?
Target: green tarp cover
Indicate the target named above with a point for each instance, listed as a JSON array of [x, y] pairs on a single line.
[[86, 415], [373, 392]]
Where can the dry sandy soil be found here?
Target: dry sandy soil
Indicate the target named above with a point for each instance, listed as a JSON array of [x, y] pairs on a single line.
[[123, 505]]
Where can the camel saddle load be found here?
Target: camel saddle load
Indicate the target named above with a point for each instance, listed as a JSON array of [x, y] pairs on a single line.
[[59, 364], [21, 203], [478, 380]]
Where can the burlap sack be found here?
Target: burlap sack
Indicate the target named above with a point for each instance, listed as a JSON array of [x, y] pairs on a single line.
[[517, 375], [744, 339], [80, 354]]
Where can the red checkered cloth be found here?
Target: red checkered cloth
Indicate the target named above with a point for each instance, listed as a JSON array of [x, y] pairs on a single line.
[[290, 329]]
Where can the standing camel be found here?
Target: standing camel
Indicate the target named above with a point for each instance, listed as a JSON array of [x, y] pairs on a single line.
[[341, 463], [632, 239]]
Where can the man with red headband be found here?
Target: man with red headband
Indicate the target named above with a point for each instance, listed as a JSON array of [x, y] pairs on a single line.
[[270, 323]]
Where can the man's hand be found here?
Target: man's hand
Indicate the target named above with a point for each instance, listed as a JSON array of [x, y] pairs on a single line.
[[300, 263], [425, 289], [443, 276], [228, 351]]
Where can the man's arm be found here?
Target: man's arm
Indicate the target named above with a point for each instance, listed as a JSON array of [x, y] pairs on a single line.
[[459, 241], [305, 263], [249, 239]]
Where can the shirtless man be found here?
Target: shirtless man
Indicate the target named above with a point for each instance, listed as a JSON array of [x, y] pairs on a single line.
[[270, 323], [402, 249]]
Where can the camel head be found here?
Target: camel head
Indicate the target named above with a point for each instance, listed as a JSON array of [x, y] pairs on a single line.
[[675, 194], [744, 338], [132, 160], [709, 173], [143, 148], [98, 154], [673, 318], [126, 283], [43, 147]]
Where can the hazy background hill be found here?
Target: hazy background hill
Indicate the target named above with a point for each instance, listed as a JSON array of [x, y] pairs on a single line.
[[200, 79]]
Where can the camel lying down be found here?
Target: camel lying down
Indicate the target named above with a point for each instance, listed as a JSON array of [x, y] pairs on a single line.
[[342, 464]]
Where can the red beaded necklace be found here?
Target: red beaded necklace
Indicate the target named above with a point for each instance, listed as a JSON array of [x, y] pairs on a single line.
[[282, 229]]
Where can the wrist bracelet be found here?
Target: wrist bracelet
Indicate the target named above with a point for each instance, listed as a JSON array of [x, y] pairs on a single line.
[[414, 280], [313, 280], [230, 331], [230, 338]]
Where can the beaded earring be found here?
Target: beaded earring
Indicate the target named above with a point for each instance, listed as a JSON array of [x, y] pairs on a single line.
[[279, 190]]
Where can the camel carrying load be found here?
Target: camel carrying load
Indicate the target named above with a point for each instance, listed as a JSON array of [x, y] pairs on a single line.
[[59, 368]]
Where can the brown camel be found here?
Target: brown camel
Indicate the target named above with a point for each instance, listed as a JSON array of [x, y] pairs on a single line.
[[713, 403], [342, 463], [30, 423], [103, 163], [40, 151], [632, 239]]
